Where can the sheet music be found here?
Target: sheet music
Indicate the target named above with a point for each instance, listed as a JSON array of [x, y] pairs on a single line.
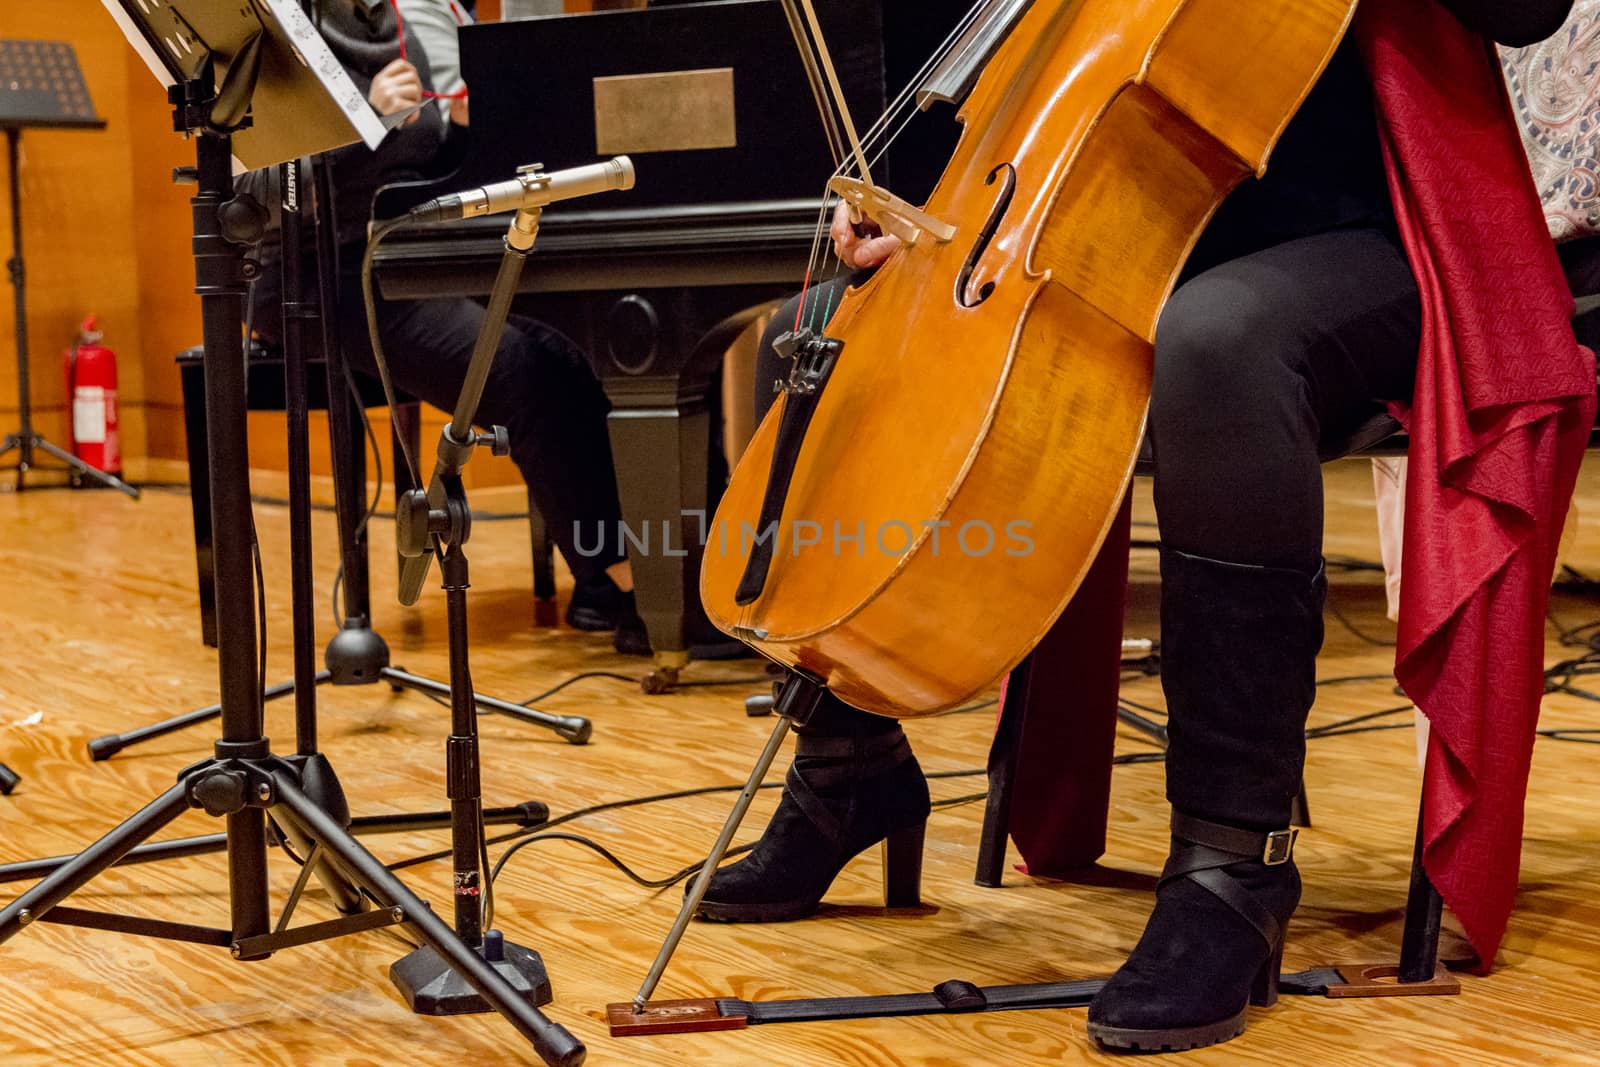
[[135, 38], [304, 102], [320, 60]]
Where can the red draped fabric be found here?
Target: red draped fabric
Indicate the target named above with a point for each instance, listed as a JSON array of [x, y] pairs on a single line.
[[1504, 402]]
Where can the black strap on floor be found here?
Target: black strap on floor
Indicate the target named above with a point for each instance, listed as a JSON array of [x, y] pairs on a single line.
[[956, 997]]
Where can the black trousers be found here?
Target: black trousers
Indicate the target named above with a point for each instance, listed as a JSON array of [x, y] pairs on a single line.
[[1259, 361], [541, 389]]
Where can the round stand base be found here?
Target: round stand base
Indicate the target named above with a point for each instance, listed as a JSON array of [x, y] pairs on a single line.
[[431, 987], [356, 655]]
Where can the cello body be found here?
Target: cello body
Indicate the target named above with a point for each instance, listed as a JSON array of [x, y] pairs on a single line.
[[977, 432]]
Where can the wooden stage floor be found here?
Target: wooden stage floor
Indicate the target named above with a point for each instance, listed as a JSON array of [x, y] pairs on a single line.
[[100, 633]]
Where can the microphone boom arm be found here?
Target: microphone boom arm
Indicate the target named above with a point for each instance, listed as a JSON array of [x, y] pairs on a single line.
[[429, 523], [426, 523]]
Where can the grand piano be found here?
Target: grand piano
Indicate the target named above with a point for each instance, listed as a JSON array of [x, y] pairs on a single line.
[[712, 102]]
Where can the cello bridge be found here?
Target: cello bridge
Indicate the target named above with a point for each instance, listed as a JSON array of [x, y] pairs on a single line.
[[893, 214]]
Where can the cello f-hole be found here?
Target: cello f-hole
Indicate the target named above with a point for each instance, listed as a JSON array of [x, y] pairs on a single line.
[[963, 297]]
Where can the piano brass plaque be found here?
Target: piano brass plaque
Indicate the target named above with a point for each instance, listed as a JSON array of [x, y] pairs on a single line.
[[675, 111]]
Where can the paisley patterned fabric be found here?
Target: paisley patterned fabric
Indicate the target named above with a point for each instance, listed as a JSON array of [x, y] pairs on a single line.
[[1555, 87]]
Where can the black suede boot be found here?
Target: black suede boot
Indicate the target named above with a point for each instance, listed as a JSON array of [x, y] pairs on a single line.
[[1238, 664], [854, 783]]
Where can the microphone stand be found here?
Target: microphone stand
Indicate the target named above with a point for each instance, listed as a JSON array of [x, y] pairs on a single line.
[[439, 520]]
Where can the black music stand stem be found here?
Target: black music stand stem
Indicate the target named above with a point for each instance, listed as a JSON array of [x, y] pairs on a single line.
[[244, 781]]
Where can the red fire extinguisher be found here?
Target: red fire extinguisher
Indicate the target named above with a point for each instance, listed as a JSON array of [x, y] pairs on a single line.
[[92, 388]]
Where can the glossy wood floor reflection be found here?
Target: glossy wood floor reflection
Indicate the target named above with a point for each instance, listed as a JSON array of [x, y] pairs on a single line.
[[100, 633]]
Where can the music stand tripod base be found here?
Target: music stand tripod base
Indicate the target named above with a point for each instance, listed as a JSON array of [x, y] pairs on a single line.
[[8, 780], [25, 444]]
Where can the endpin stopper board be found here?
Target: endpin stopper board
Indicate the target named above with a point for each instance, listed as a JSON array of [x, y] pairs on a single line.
[[670, 1017]]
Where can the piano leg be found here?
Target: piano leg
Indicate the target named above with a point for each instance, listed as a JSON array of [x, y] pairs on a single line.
[[660, 436]]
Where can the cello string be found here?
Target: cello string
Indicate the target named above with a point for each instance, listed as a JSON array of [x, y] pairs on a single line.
[[839, 265], [826, 58], [875, 134], [811, 262], [917, 80], [878, 140]]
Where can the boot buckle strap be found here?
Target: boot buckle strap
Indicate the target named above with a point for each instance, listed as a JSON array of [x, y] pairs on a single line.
[[1279, 848]]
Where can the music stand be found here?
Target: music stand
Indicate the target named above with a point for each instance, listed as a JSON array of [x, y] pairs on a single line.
[[41, 87], [260, 45]]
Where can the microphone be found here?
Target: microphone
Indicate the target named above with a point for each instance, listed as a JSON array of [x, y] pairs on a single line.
[[532, 187]]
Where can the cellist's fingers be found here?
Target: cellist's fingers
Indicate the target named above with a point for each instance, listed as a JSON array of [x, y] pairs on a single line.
[[843, 233], [874, 251]]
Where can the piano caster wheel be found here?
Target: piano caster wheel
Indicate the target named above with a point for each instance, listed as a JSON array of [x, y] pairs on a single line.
[[663, 678], [660, 680], [545, 613]]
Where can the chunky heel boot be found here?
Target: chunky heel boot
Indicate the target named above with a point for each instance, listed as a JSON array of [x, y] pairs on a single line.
[[1238, 663], [843, 795], [1264, 990], [1213, 945], [902, 865]]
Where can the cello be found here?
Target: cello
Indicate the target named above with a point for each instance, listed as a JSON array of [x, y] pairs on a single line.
[[950, 449], [981, 398]]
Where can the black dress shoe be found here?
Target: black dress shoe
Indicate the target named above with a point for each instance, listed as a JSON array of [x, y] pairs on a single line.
[[596, 604], [1213, 945], [842, 796]]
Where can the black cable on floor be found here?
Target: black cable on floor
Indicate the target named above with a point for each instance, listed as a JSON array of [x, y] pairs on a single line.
[[1346, 564], [1344, 678], [632, 680], [630, 802], [683, 872], [1146, 708], [1582, 737], [1344, 620]]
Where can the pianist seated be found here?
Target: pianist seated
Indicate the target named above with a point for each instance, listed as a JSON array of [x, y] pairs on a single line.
[[541, 388]]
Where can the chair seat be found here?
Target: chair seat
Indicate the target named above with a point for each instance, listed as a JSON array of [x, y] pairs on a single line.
[[264, 379]]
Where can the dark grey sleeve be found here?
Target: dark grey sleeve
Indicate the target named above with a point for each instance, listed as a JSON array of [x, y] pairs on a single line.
[[1512, 22]]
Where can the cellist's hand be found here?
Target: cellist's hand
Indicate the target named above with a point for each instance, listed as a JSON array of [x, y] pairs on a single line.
[[860, 250]]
